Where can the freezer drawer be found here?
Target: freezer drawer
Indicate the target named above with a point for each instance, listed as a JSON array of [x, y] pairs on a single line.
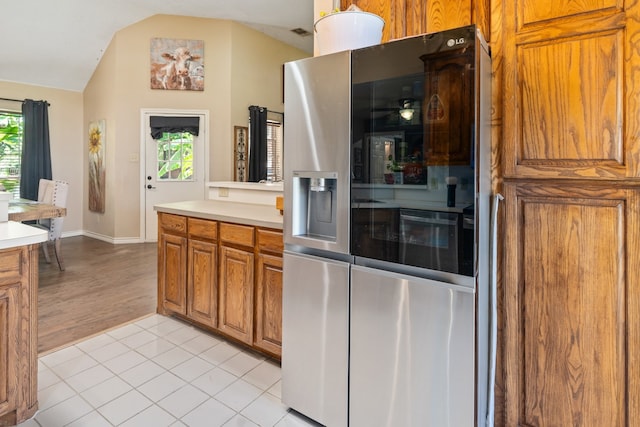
[[315, 327], [412, 351]]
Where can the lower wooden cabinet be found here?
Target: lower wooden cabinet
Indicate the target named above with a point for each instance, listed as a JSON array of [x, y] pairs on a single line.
[[18, 334], [236, 293], [9, 339], [224, 276], [172, 264], [202, 282], [571, 318], [268, 304]]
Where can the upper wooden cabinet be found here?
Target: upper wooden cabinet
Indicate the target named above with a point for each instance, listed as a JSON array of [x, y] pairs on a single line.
[[405, 18], [570, 89]]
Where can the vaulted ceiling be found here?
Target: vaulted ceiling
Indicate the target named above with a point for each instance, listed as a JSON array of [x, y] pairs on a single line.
[[59, 43]]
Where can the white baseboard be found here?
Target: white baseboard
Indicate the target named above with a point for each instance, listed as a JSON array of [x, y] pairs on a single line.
[[108, 239]]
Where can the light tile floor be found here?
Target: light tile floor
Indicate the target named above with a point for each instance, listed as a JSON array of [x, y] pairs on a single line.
[[155, 372]]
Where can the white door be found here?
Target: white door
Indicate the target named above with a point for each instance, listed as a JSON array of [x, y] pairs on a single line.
[[174, 167]]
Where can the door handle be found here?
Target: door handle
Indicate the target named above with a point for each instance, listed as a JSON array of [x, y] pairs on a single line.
[[150, 187]]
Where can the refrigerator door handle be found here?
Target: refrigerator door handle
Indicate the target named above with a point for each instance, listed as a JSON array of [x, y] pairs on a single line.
[[493, 331]]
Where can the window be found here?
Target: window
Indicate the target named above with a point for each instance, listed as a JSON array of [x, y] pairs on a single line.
[[175, 157], [11, 127], [274, 151]]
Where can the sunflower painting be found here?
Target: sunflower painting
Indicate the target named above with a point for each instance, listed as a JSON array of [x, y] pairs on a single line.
[[96, 166]]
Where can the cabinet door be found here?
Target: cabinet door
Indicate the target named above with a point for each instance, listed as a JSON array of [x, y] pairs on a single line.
[[236, 293], [202, 282], [9, 355], [172, 274], [570, 109], [571, 317], [269, 304], [405, 18]]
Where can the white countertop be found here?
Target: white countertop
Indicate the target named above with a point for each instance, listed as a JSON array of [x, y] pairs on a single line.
[[13, 234], [259, 186], [241, 213]]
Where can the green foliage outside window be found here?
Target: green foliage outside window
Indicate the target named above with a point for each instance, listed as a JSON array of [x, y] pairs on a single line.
[[10, 150], [175, 157]]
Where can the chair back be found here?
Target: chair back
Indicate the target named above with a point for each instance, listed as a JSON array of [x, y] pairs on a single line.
[[45, 190], [54, 193]]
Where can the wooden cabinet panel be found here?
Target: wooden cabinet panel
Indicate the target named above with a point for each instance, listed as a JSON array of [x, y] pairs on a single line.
[[270, 241], [172, 274], [9, 353], [404, 18], [236, 293], [567, 95], [11, 267], [237, 234], [445, 14], [570, 310], [203, 229], [175, 224], [202, 282], [579, 130], [269, 304], [18, 334], [531, 11]]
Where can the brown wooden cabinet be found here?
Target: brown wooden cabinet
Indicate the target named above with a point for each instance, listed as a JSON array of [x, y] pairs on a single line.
[[571, 313], [226, 277], [570, 317], [405, 18], [18, 334], [236, 281], [9, 339], [172, 263], [202, 271], [268, 302]]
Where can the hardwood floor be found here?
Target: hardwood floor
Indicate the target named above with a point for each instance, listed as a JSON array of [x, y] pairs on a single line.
[[104, 285]]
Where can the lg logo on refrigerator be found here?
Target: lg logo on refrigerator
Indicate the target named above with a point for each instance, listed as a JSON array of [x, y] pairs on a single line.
[[455, 42]]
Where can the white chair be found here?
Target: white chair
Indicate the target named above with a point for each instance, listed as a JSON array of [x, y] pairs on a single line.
[[54, 193]]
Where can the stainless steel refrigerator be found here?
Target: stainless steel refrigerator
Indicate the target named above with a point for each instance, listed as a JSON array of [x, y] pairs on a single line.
[[386, 266]]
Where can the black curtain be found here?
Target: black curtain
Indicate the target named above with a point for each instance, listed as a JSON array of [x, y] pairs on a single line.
[[257, 143], [161, 124], [36, 154]]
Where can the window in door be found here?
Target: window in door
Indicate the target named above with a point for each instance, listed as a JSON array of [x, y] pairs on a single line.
[[11, 127], [175, 157]]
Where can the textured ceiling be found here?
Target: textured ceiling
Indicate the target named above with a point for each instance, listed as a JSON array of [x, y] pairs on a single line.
[[58, 43]]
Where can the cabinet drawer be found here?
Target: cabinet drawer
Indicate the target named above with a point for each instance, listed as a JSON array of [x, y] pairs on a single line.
[[238, 234], [11, 262], [270, 240], [172, 223], [203, 229]]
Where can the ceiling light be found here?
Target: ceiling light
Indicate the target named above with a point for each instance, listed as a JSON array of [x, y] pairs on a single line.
[[406, 110]]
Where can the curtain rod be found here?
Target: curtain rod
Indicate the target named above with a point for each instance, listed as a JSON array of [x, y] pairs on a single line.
[[18, 100], [275, 112]]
